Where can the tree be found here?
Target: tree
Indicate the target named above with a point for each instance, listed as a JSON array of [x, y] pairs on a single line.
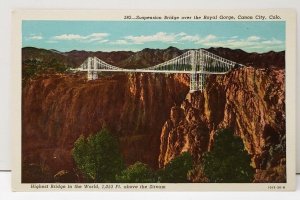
[[177, 169], [98, 156], [137, 173], [228, 161]]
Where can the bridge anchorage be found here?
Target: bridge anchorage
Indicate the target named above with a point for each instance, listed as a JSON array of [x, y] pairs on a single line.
[[198, 63]]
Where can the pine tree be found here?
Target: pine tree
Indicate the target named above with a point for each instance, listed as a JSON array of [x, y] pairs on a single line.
[[177, 169], [98, 156], [137, 173], [228, 161]]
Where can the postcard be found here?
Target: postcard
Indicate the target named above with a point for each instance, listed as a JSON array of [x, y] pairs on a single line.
[[154, 100]]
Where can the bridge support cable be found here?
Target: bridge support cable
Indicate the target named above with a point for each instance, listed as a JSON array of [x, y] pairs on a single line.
[[198, 63]]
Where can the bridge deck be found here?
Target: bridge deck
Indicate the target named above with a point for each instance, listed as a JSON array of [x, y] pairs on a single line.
[[196, 63], [151, 71]]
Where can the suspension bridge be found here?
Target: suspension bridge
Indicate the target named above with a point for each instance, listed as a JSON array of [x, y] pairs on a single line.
[[198, 63]]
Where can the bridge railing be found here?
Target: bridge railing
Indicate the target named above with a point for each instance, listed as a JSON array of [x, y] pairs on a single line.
[[198, 63]]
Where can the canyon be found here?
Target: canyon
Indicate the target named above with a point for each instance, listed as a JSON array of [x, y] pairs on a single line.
[[154, 116]]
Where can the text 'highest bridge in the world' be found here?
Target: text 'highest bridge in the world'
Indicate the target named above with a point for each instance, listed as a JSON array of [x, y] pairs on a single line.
[[197, 63]]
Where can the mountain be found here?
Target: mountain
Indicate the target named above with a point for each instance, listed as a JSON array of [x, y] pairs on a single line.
[[149, 57], [154, 116], [36, 61], [112, 58], [261, 60], [40, 61]]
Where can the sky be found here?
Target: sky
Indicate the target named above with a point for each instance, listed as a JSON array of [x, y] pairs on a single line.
[[255, 36]]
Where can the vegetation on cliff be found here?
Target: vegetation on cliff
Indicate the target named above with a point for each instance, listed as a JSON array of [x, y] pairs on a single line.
[[137, 173], [98, 157], [177, 169], [38, 61], [228, 161]]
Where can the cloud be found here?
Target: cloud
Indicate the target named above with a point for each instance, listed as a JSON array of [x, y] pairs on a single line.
[[252, 42], [190, 38], [236, 42], [181, 34], [120, 42], [158, 37], [253, 38], [94, 37], [164, 38], [68, 37], [208, 38], [97, 37], [197, 39], [102, 41], [34, 37], [273, 41]]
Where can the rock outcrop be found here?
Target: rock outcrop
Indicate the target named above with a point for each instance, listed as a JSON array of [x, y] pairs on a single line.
[[249, 100]]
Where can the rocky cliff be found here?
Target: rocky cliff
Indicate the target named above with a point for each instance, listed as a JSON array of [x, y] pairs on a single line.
[[249, 100], [58, 108]]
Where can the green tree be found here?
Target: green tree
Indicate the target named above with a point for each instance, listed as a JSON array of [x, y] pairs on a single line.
[[137, 173], [228, 161], [98, 156], [177, 169]]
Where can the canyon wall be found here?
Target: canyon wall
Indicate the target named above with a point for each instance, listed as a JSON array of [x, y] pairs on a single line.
[[248, 100], [58, 108]]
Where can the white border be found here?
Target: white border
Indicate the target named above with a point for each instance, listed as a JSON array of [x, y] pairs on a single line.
[[288, 15]]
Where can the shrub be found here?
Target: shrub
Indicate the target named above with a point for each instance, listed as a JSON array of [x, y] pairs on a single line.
[[177, 169], [228, 161], [98, 156], [137, 173]]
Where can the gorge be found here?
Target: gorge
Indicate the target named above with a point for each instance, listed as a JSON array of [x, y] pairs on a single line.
[[154, 117]]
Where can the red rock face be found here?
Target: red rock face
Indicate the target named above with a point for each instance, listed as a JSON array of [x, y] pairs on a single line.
[[58, 108], [251, 101]]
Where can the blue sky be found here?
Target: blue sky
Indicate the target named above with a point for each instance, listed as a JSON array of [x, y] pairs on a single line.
[[253, 36]]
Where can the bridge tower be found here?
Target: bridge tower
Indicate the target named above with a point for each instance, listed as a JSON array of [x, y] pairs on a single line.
[[201, 76], [95, 73], [193, 75], [197, 80], [89, 69], [201, 82], [92, 68]]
